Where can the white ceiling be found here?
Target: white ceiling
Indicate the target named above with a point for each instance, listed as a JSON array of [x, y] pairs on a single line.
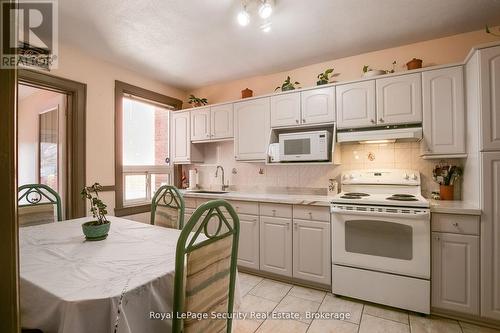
[[193, 43]]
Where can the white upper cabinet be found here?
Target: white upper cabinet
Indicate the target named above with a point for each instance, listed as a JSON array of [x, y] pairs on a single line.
[[221, 121], [443, 111], [356, 104], [399, 99], [318, 106], [252, 127], [490, 99], [285, 110], [181, 137], [200, 124]]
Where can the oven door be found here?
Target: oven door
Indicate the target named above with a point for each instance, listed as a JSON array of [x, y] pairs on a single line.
[[392, 240]]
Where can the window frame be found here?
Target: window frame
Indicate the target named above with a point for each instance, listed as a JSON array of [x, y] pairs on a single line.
[[122, 90]]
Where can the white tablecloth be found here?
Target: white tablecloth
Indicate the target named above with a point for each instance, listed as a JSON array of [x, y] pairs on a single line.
[[75, 286]]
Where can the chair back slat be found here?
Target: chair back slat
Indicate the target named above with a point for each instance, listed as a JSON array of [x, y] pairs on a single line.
[[167, 207], [205, 270]]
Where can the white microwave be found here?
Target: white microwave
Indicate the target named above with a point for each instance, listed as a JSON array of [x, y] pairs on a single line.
[[304, 146]]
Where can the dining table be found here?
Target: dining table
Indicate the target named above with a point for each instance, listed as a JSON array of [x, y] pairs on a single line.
[[122, 284]]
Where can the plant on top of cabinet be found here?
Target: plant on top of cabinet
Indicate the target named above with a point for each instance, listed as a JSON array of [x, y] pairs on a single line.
[[288, 85], [488, 31], [324, 78], [369, 72], [195, 101]]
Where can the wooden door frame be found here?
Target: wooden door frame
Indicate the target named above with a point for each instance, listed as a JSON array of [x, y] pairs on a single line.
[[75, 133]]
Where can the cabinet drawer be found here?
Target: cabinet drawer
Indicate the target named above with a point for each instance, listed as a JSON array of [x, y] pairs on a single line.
[[276, 210], [458, 224], [245, 207], [312, 213], [190, 202]]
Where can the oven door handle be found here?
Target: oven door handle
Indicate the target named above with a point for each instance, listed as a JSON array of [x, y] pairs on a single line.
[[419, 215]]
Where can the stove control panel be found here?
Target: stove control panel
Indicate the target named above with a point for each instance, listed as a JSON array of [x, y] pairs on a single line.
[[385, 176]]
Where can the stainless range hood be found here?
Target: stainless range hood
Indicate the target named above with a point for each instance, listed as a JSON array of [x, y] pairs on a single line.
[[381, 135]]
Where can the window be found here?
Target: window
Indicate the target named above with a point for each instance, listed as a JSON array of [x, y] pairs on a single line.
[[146, 164], [142, 161]]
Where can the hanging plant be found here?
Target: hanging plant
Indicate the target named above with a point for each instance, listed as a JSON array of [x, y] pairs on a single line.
[[287, 85]]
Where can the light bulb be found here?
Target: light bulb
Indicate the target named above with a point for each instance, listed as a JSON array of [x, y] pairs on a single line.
[[265, 10], [243, 17]]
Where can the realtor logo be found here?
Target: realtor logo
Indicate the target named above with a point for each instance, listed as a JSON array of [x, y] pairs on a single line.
[[29, 34]]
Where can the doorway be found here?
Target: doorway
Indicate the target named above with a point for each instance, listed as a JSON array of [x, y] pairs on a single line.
[[41, 141]]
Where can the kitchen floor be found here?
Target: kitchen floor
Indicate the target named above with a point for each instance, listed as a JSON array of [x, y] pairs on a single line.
[[265, 295]]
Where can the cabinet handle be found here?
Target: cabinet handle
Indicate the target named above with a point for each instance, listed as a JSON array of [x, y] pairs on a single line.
[[297, 121], [304, 120], [437, 238], [372, 121], [295, 225], [455, 224], [381, 120]]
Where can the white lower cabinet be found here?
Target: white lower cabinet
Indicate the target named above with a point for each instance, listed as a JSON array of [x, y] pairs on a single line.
[[248, 246], [311, 251], [276, 245]]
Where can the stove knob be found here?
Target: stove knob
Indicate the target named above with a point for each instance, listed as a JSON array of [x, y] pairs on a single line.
[[345, 177], [414, 176], [406, 176], [351, 176]]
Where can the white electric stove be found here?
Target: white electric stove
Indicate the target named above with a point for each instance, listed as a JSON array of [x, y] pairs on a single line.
[[381, 239]]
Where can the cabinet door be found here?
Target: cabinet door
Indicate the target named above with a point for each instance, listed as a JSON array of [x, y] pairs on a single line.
[[443, 111], [200, 124], [490, 236], [221, 118], [399, 99], [318, 106], [285, 110], [311, 251], [181, 145], [276, 245], [251, 126], [248, 246], [455, 272], [490, 99], [356, 104]]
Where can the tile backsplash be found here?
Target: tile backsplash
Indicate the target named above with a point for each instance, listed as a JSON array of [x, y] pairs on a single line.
[[259, 177]]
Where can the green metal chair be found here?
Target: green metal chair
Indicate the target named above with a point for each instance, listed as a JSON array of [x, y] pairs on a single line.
[[167, 207], [205, 268], [36, 204]]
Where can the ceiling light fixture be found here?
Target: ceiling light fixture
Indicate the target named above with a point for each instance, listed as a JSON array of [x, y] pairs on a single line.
[[243, 16], [266, 27], [265, 9]]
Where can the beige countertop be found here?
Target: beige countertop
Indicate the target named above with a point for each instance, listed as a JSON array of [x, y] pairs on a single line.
[[454, 207], [436, 206], [293, 199]]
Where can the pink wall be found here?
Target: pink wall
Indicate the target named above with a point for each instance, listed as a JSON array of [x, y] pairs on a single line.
[[433, 52]]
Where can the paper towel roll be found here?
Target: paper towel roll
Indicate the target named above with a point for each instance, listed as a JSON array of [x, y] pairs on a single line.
[[193, 179]]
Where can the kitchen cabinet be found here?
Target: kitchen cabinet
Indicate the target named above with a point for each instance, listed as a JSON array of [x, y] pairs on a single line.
[[183, 152], [200, 124], [276, 245], [252, 127], [399, 99], [490, 236], [455, 272], [285, 110], [212, 123], [248, 245], [443, 112], [356, 104], [221, 122], [311, 251], [489, 59], [318, 106]]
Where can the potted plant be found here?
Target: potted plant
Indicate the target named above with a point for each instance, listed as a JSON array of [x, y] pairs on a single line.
[[196, 102], [488, 31], [99, 228], [446, 176], [369, 72], [287, 85], [324, 78]]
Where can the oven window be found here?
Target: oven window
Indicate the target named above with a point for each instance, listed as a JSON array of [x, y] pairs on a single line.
[[297, 146], [378, 238]]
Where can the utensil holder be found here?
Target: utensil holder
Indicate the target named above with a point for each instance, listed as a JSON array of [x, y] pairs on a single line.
[[446, 192]]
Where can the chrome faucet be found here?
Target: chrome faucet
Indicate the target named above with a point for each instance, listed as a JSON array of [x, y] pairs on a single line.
[[223, 186]]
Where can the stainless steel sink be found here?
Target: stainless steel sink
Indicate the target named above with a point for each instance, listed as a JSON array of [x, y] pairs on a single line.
[[207, 191]]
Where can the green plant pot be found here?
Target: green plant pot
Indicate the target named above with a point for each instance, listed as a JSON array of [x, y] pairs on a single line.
[[95, 232], [321, 82], [287, 88]]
